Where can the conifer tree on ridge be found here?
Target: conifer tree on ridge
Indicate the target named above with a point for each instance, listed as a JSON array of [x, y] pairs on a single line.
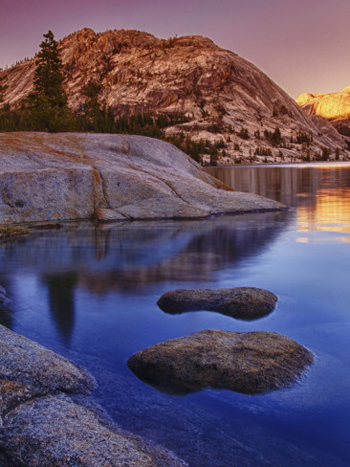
[[48, 101]]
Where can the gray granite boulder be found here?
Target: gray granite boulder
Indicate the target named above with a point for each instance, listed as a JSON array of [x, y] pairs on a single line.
[[50, 177], [34, 366], [250, 363], [245, 303], [55, 431], [46, 419]]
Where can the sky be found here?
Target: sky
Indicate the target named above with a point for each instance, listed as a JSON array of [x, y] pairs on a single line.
[[302, 45]]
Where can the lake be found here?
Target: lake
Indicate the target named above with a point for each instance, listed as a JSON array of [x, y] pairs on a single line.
[[90, 294]]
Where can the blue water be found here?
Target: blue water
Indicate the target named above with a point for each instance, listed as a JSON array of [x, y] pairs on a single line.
[[90, 293]]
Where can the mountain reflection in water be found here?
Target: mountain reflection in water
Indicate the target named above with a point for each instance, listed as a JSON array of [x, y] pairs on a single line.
[[126, 257], [136, 254], [90, 293], [320, 193]]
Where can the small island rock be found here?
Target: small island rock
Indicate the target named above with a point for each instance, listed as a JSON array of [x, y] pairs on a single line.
[[245, 303], [250, 363]]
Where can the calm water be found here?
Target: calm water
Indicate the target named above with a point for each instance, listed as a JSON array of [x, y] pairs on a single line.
[[90, 294]]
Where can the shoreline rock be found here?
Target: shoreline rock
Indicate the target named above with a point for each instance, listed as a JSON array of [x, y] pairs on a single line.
[[56, 431], [46, 418], [74, 176], [32, 365], [246, 303], [249, 363]]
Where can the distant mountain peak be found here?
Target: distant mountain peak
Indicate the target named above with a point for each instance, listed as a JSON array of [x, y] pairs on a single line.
[[335, 107]]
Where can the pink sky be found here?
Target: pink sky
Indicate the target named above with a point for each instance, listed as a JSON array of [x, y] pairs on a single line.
[[303, 45]]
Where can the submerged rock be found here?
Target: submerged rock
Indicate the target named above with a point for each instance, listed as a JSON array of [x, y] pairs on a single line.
[[250, 363], [55, 431], [41, 425], [4, 299], [246, 303]]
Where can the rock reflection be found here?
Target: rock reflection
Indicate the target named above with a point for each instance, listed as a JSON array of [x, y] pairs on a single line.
[[133, 255], [61, 302], [192, 253]]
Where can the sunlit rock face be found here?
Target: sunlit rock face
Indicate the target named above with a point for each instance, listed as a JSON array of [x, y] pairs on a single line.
[[215, 90], [333, 106], [108, 177]]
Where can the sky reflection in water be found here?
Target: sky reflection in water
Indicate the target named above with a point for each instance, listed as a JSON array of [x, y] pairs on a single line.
[[90, 294]]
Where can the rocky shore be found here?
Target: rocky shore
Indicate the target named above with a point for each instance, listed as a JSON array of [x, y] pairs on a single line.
[[47, 419], [68, 177]]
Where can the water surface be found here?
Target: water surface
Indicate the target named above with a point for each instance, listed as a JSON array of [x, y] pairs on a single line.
[[90, 293]]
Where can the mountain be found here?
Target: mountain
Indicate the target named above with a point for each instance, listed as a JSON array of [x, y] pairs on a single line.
[[333, 106], [201, 90]]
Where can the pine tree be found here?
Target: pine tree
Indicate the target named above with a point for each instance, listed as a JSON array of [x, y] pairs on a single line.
[[48, 101], [276, 137], [48, 76]]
